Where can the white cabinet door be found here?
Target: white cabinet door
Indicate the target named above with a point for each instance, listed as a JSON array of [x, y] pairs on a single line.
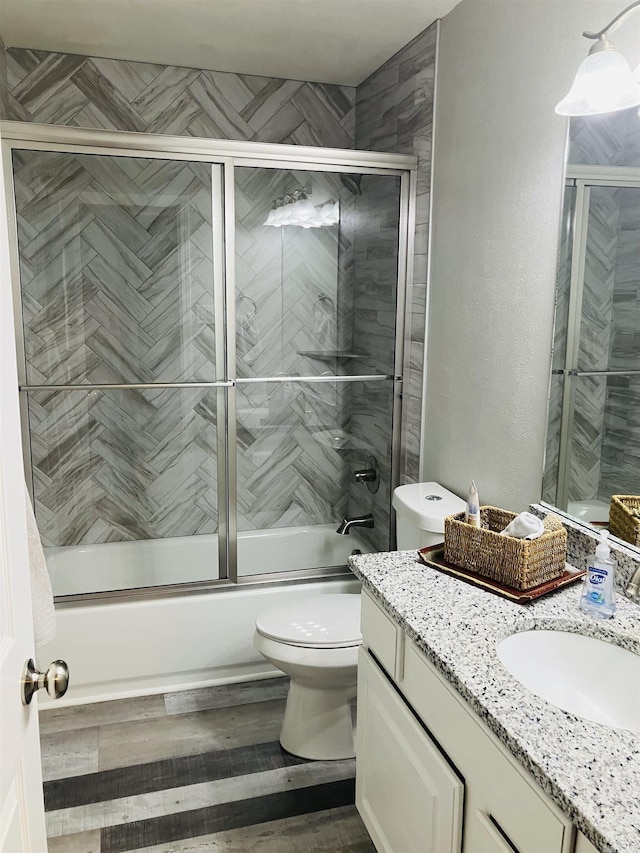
[[409, 798]]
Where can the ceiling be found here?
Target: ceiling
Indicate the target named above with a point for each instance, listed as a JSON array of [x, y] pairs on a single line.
[[327, 41]]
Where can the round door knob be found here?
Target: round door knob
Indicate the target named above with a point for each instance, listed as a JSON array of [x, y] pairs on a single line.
[[55, 680]]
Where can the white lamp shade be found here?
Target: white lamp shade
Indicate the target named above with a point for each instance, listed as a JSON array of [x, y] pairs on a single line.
[[300, 212], [603, 84], [273, 218], [304, 214], [329, 213]]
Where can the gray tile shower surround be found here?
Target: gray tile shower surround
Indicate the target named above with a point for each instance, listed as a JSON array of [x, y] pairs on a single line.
[[591, 772], [106, 310], [192, 772], [95, 92], [394, 113]]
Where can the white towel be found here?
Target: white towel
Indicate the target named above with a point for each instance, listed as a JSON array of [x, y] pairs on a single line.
[[44, 615], [524, 526]]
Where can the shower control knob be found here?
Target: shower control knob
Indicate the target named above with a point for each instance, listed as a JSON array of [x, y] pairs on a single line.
[[370, 475], [55, 680]]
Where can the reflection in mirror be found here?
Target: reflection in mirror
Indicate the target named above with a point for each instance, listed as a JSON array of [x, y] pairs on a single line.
[[593, 431]]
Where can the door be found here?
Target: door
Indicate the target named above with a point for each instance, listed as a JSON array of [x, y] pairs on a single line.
[[22, 825], [316, 350], [408, 796], [121, 295]]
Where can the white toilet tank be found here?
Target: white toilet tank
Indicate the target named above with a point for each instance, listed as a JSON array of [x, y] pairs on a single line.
[[421, 509]]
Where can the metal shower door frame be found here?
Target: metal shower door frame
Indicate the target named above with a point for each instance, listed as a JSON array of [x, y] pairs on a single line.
[[227, 156], [583, 179]]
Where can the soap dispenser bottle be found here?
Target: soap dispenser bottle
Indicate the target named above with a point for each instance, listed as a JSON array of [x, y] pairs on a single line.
[[598, 592]]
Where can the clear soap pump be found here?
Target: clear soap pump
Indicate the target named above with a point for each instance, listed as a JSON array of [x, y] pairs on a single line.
[[598, 592]]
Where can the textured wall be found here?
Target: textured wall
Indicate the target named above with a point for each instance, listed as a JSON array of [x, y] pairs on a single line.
[[394, 112], [499, 164]]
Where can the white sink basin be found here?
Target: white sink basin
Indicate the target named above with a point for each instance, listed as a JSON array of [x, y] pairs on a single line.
[[591, 678]]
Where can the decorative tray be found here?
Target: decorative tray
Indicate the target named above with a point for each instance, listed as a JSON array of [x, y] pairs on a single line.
[[434, 556]]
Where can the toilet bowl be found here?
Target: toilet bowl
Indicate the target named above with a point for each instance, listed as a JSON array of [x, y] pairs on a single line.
[[315, 641]]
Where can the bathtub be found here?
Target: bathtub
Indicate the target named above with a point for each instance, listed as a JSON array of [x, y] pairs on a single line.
[[594, 511], [188, 559], [121, 648]]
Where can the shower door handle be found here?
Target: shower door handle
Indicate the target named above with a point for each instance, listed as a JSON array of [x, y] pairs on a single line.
[[55, 680]]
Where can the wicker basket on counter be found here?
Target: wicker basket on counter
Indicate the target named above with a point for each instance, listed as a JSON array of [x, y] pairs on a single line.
[[624, 517], [518, 563]]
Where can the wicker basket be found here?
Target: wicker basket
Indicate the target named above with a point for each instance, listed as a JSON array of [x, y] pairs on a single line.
[[624, 517], [518, 563]]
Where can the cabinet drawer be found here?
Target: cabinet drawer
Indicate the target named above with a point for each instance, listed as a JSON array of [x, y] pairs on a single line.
[[380, 634], [500, 802]]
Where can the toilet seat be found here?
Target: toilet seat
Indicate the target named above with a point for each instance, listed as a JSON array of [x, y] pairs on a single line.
[[322, 622]]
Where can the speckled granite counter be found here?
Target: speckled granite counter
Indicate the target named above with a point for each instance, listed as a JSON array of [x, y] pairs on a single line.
[[592, 772]]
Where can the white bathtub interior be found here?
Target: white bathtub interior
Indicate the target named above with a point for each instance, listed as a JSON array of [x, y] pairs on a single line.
[[82, 569], [594, 511]]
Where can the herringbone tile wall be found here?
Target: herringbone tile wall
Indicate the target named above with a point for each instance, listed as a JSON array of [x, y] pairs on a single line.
[[620, 465], [81, 91], [110, 466], [102, 93], [606, 437], [295, 296], [116, 273], [116, 268], [116, 276], [607, 140]]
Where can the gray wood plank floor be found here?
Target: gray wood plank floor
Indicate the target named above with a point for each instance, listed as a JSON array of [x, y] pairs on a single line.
[[190, 772]]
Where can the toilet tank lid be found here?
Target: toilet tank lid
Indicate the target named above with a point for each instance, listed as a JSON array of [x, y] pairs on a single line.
[[320, 621], [426, 505]]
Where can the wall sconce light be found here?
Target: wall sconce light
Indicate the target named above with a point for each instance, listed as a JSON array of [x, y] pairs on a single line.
[[295, 208], [604, 82]]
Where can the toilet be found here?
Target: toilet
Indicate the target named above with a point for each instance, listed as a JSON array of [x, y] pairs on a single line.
[[421, 509], [315, 641]]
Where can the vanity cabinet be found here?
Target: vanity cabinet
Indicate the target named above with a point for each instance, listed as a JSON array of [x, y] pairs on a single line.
[[430, 775]]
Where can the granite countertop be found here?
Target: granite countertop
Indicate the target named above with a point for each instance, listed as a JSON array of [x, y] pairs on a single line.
[[591, 771]]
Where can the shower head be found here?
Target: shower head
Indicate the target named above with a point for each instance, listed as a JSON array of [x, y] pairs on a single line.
[[352, 183]]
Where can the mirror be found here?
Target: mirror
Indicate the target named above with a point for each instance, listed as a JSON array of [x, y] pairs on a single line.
[[593, 429]]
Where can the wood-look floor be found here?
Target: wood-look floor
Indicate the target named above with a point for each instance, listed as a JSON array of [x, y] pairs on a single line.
[[191, 772]]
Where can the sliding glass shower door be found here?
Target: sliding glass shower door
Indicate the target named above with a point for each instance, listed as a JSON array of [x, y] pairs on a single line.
[[209, 362], [118, 299], [315, 305]]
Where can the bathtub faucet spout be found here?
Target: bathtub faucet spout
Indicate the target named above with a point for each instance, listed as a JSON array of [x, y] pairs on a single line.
[[358, 521]]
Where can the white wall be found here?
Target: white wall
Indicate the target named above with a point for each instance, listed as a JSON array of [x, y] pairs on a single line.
[[498, 175]]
